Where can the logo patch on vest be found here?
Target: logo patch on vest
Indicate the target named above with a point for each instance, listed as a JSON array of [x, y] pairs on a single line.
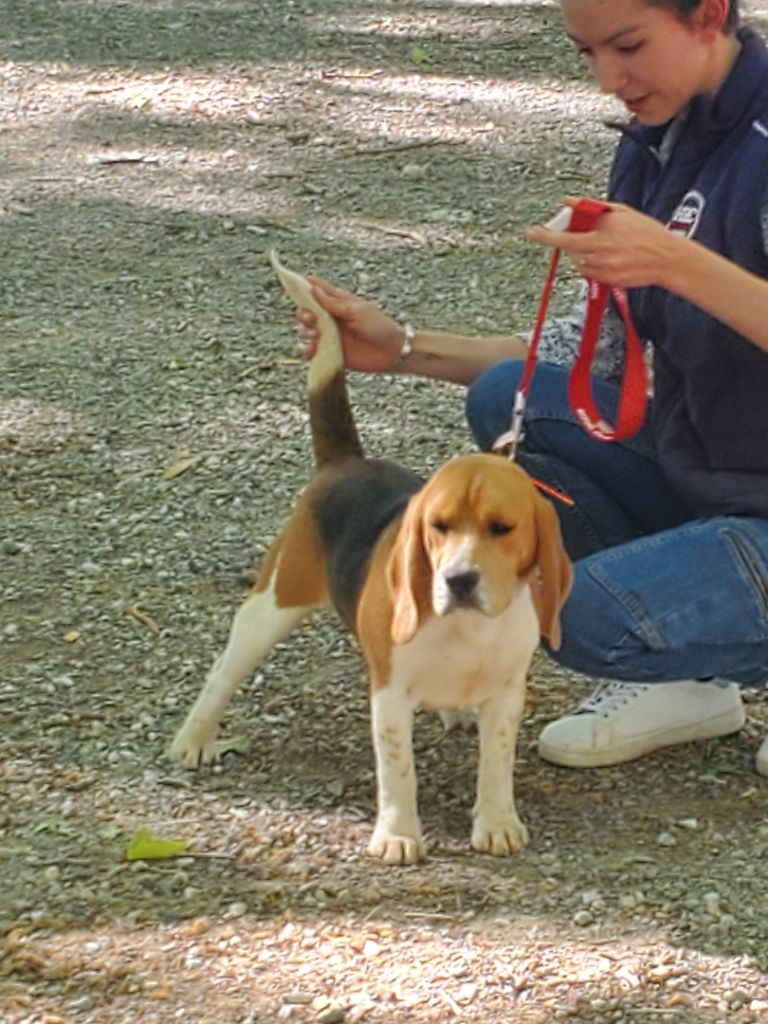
[[685, 219]]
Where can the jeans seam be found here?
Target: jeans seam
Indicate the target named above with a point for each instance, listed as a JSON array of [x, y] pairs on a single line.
[[747, 563]]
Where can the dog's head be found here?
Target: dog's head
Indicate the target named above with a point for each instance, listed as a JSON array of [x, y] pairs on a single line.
[[474, 534]]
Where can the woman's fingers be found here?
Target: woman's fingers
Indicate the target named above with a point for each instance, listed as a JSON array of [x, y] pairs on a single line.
[[326, 289], [570, 241], [306, 348], [306, 324], [306, 330]]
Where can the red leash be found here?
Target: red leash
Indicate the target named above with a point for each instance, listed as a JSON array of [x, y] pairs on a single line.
[[634, 385]]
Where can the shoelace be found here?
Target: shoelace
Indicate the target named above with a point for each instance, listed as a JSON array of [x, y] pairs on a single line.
[[610, 696]]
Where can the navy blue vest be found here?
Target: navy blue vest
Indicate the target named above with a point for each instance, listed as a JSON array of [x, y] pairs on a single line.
[[710, 406]]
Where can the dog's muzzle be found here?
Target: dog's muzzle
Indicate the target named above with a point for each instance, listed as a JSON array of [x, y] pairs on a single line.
[[463, 586], [458, 589]]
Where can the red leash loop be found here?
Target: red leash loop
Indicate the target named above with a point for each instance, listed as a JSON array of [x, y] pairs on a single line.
[[634, 386], [633, 398]]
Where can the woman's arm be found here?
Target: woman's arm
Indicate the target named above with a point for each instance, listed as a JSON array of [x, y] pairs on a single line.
[[725, 290], [631, 250], [373, 341], [456, 357]]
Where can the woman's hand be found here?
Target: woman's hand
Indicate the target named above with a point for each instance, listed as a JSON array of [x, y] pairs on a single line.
[[626, 249], [371, 340]]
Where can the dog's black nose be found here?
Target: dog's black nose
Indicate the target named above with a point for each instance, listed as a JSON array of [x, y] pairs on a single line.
[[462, 585]]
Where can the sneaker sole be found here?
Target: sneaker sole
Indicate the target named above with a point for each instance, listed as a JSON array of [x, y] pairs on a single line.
[[639, 746]]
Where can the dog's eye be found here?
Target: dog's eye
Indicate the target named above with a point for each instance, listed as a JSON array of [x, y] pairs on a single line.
[[440, 525], [499, 529]]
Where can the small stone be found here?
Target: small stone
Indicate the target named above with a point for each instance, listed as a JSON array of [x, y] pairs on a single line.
[[712, 904], [591, 898], [332, 1016], [666, 839], [583, 918], [682, 999], [414, 172], [736, 999], [550, 870], [297, 998], [467, 992]]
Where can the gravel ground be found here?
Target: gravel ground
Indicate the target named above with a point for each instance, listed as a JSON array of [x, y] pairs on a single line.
[[152, 435]]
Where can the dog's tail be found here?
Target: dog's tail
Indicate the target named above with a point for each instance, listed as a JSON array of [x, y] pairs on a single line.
[[334, 434]]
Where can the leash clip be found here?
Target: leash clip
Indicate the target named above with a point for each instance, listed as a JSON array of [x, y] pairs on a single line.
[[506, 443]]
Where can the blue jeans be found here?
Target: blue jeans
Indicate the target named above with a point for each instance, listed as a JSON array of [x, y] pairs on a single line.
[[658, 594]]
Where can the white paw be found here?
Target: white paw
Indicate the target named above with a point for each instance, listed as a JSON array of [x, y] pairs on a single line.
[[499, 835], [396, 849], [194, 746]]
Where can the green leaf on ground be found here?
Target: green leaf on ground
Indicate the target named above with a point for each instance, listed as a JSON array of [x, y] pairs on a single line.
[[143, 846]]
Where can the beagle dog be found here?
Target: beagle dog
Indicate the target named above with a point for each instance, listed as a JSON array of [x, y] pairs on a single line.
[[448, 586]]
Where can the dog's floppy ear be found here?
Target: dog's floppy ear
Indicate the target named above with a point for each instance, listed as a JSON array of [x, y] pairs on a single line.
[[408, 574], [555, 574]]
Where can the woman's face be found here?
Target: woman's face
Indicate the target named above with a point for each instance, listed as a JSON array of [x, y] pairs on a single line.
[[648, 56]]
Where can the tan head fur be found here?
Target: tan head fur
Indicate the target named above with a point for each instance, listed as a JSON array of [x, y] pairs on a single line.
[[474, 535]]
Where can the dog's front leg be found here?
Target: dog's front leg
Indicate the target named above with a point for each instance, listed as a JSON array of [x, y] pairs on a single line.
[[496, 827], [397, 836], [258, 625]]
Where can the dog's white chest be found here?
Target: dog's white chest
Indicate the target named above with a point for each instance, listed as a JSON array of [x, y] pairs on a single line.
[[457, 660]]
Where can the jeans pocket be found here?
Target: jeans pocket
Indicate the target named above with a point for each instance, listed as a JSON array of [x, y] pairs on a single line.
[[752, 564]]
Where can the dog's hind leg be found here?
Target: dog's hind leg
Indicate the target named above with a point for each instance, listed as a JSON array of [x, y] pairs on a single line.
[[285, 594], [258, 625]]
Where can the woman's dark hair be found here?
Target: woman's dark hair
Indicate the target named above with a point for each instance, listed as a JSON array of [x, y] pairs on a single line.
[[686, 7]]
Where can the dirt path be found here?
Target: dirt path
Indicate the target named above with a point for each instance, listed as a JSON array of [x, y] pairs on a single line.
[[152, 434]]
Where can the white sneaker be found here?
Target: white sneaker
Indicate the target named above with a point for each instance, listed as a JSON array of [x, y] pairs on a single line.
[[622, 721], [761, 762]]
